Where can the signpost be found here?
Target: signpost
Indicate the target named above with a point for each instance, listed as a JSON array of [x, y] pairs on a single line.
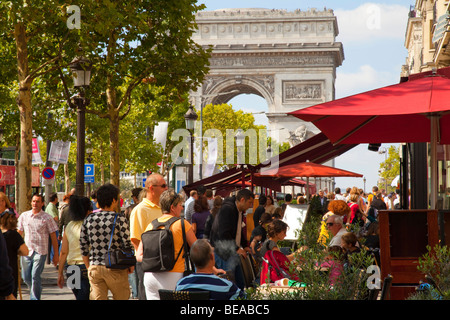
[[89, 173], [48, 173]]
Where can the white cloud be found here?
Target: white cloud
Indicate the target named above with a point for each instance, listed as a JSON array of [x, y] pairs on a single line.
[[370, 21], [364, 79]]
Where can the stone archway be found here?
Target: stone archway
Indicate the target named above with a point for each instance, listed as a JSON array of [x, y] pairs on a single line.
[[213, 86], [287, 57]]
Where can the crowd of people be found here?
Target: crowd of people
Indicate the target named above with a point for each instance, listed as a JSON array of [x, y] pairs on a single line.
[[76, 235]]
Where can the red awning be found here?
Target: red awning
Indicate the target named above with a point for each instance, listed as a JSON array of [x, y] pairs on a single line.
[[317, 149], [416, 110], [393, 114]]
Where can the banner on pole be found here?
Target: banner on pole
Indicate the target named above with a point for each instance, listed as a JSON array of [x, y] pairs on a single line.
[[160, 133], [59, 151], [36, 155]]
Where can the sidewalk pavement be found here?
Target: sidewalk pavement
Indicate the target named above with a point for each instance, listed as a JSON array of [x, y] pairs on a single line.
[[50, 289]]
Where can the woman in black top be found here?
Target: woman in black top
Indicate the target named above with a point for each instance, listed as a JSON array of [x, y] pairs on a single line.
[[14, 242]]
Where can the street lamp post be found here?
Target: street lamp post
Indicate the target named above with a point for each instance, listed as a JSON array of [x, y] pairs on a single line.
[[190, 118], [81, 72], [89, 152], [364, 180], [1, 153], [1, 139], [384, 151]]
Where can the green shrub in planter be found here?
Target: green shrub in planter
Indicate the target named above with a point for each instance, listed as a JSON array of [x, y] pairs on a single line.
[[435, 264]]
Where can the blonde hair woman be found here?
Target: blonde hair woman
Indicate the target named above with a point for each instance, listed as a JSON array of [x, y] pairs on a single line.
[[171, 206]]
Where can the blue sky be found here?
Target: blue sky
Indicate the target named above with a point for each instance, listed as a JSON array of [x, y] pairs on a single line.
[[373, 35]]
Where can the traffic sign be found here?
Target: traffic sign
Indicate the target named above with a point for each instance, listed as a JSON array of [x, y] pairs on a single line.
[[89, 170], [48, 173], [89, 179]]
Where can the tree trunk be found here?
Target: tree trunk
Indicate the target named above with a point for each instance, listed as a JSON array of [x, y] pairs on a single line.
[[111, 98], [26, 133], [16, 173], [67, 178], [114, 149], [102, 166]]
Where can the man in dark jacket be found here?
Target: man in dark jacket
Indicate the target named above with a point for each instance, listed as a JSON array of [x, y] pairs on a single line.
[[228, 239], [378, 202]]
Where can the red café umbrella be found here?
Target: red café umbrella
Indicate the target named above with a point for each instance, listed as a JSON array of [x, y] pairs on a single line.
[[412, 111], [307, 170]]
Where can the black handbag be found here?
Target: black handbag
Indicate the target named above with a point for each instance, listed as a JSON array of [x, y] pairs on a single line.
[[119, 258], [189, 269]]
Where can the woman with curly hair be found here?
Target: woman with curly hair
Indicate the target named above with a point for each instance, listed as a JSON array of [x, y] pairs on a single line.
[[337, 207], [276, 231]]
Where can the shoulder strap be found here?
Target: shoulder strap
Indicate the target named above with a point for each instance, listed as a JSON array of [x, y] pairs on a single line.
[[280, 272], [187, 261], [157, 224], [274, 260], [112, 233]]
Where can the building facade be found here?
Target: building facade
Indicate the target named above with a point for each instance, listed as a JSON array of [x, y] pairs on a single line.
[[289, 58], [427, 40]]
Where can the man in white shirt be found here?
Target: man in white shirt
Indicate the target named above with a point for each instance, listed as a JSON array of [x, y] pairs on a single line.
[[37, 225], [336, 226], [193, 196], [338, 195]]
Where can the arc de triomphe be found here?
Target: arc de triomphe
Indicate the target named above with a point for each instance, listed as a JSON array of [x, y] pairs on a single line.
[[287, 57]]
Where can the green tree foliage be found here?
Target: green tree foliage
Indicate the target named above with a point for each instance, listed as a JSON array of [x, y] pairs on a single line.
[[226, 120], [133, 41], [128, 43], [390, 168], [139, 152], [34, 38], [436, 265]]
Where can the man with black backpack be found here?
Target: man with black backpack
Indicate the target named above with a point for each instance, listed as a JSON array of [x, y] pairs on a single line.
[[163, 257], [142, 215]]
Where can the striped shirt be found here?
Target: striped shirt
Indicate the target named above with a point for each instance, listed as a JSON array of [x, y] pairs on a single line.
[[96, 232], [37, 228], [219, 289]]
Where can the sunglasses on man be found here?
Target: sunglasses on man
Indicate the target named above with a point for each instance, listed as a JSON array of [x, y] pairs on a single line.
[[159, 185]]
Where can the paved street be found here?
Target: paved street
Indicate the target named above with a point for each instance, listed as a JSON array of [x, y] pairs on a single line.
[[50, 291]]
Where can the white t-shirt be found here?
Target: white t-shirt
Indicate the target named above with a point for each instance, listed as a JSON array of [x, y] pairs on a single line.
[[337, 239]]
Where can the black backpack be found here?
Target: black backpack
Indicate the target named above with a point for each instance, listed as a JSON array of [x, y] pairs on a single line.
[[158, 247]]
